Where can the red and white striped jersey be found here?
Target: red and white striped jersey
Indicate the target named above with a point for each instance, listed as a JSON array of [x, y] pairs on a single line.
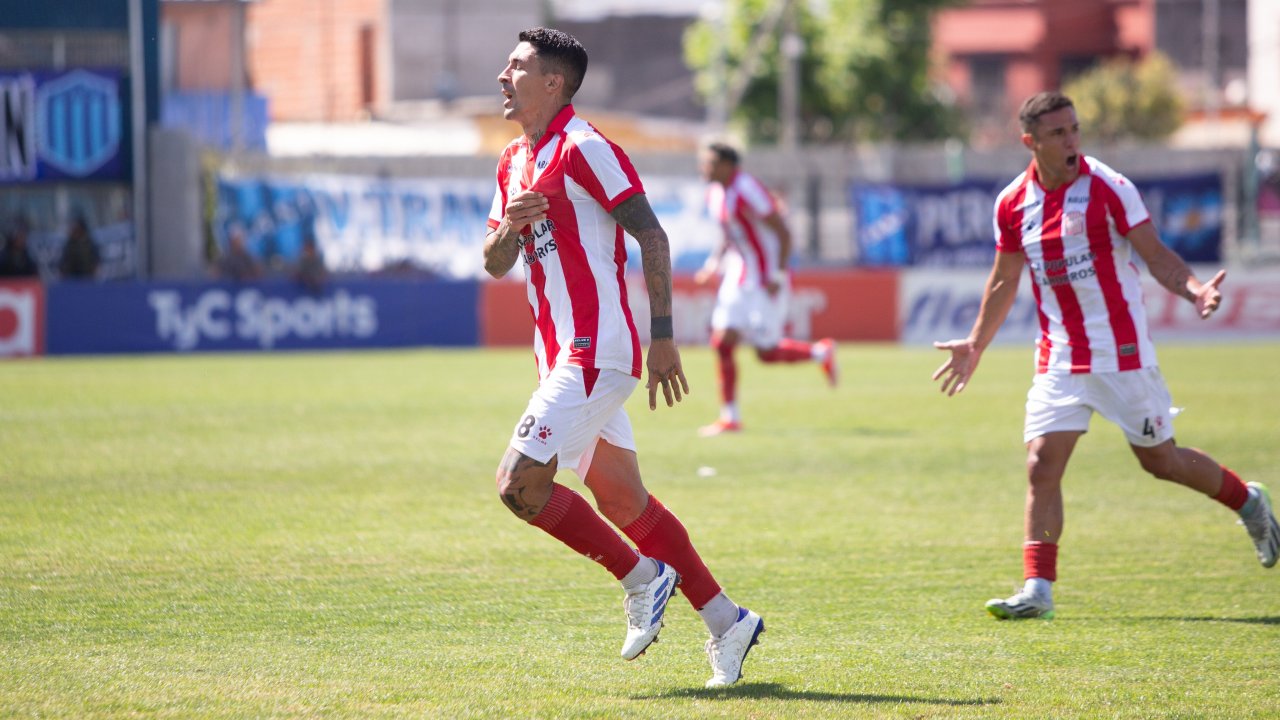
[[575, 259], [1083, 277], [741, 208]]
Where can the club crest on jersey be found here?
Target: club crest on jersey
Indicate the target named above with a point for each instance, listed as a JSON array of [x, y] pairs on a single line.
[[1073, 223]]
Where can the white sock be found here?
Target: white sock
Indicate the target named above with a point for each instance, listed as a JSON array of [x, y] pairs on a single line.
[[1039, 587], [720, 614], [1248, 506], [729, 412], [642, 574]]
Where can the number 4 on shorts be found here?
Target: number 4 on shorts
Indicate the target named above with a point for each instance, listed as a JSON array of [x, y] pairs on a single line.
[[1147, 428]]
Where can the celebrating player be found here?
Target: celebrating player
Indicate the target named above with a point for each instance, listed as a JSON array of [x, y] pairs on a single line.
[[752, 258], [1074, 223], [564, 195]]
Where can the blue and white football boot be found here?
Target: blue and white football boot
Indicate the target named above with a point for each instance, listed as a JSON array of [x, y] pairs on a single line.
[[645, 608]]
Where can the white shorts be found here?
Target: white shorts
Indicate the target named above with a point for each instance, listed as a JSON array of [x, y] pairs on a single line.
[[755, 314], [1136, 400], [563, 421]]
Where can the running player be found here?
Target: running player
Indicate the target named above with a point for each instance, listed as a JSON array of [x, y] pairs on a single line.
[[752, 258], [1074, 223], [564, 196]]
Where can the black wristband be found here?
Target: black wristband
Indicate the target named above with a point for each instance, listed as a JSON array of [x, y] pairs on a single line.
[[660, 328]]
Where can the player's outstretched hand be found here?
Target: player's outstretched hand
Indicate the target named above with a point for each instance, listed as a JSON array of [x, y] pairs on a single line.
[[958, 368], [1208, 297], [665, 370]]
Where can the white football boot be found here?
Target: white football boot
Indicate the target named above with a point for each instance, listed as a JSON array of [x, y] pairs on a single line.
[[729, 651], [644, 608], [1021, 606], [1262, 527]]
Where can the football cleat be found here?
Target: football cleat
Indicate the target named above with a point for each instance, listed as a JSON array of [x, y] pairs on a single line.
[[827, 350], [645, 608], [1262, 527], [729, 651], [720, 427], [1021, 606]]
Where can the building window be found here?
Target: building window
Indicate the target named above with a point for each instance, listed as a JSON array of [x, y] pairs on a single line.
[[987, 85]]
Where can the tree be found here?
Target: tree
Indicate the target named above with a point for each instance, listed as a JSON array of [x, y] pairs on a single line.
[[1125, 99], [864, 68]]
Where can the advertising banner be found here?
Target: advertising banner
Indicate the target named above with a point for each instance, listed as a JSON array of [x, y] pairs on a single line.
[[21, 318], [368, 224], [951, 225], [843, 304], [62, 126], [183, 317], [941, 305]]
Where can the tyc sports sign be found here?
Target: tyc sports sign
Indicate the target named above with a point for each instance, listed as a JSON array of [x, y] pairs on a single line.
[[61, 126]]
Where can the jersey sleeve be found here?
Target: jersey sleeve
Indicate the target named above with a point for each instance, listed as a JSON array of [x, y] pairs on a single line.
[[1008, 239], [757, 197], [604, 170], [1128, 210], [499, 206]]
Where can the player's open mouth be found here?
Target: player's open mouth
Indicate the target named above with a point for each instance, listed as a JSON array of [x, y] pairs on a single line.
[[507, 95], [1072, 160]]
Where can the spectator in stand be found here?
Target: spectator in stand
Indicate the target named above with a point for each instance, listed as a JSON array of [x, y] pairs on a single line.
[[237, 264], [80, 258], [15, 258], [310, 272]]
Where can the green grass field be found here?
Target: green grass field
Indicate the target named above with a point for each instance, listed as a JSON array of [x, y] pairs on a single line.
[[318, 535]]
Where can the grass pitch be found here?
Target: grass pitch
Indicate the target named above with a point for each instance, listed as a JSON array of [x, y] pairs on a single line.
[[318, 535]]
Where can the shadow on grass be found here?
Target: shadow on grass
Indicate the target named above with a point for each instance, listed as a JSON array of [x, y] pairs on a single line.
[[1266, 620], [775, 691]]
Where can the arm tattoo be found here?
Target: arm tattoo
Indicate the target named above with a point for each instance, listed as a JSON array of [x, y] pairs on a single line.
[[637, 218], [501, 251]]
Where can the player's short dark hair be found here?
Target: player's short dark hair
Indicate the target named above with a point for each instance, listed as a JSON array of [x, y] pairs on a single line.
[[724, 152], [1040, 104], [561, 53]]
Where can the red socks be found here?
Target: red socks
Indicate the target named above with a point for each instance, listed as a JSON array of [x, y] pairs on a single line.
[[1040, 560], [568, 518], [788, 351], [728, 370], [1234, 493], [660, 535]]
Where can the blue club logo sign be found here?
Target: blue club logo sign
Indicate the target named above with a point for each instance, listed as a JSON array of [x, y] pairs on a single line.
[[79, 129]]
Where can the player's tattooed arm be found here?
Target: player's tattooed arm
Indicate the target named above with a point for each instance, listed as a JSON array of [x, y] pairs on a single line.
[[503, 244], [637, 218], [524, 484], [663, 361], [501, 249]]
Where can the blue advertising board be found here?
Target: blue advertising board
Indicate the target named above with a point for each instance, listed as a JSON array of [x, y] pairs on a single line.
[[62, 126], [369, 224], [271, 315], [951, 225]]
